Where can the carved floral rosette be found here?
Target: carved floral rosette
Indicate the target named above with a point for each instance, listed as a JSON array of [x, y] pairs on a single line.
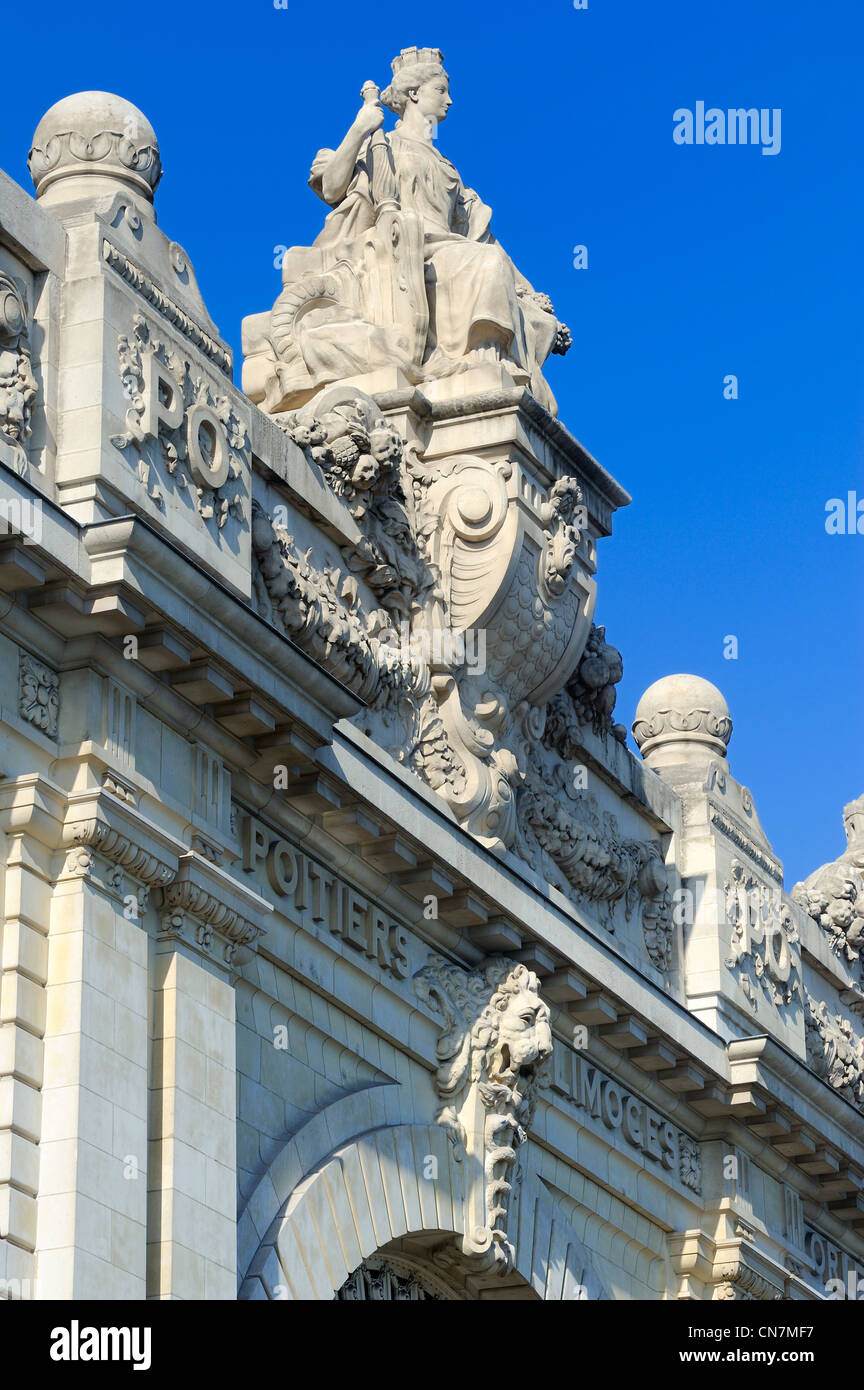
[[38, 694]]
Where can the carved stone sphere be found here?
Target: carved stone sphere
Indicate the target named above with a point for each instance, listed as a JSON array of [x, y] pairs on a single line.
[[682, 719], [93, 144]]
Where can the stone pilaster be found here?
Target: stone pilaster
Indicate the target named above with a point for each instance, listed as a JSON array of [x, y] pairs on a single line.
[[91, 1234], [206, 921], [29, 812]]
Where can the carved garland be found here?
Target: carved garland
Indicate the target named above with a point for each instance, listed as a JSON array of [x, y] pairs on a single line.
[[165, 306], [597, 863]]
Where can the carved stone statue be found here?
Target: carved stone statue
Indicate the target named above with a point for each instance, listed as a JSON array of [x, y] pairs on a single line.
[[833, 1050], [833, 895], [406, 271], [492, 1057], [17, 383]]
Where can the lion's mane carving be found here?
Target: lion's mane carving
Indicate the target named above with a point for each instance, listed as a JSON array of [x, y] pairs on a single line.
[[492, 1059]]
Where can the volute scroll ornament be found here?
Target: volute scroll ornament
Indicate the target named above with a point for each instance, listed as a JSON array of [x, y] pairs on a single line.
[[516, 575], [475, 569], [474, 604]]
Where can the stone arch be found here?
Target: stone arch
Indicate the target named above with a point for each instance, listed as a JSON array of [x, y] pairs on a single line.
[[323, 1208]]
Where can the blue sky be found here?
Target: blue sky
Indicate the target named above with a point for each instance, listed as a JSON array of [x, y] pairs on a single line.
[[703, 261]]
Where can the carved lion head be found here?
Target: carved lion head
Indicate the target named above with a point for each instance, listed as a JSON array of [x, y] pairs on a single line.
[[496, 1029]]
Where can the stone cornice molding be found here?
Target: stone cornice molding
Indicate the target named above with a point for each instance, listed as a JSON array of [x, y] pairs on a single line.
[[742, 838], [100, 821], [763, 1062], [516, 399], [32, 805], [217, 904], [115, 552], [178, 317], [740, 1271], [692, 1254], [723, 1270]]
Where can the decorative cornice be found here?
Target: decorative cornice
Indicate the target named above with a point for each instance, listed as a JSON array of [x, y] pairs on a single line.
[[216, 902], [189, 897], [746, 845], [120, 847], [733, 1276], [165, 306]]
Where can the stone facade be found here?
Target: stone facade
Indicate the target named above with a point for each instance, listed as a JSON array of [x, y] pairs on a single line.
[[347, 952]]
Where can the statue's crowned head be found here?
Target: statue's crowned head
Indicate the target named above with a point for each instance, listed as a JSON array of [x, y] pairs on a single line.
[[853, 820], [413, 68]]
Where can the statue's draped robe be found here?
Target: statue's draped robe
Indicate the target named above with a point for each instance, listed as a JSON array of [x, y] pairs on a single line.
[[471, 282]]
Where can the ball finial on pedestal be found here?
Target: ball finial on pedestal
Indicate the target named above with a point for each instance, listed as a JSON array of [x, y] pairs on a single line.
[[92, 144], [682, 719]]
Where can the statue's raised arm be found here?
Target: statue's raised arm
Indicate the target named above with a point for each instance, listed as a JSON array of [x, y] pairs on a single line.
[[334, 170], [405, 274]]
